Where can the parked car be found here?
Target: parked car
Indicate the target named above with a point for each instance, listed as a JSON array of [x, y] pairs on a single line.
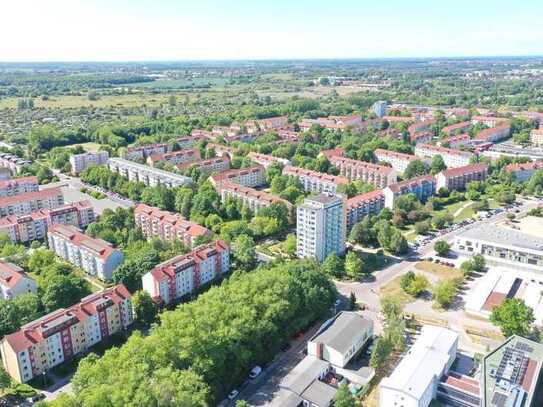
[[233, 394], [255, 371]]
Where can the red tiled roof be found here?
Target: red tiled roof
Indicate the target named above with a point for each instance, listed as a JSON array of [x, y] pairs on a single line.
[[457, 126], [234, 173], [488, 133], [534, 165], [443, 150], [411, 182], [493, 300], [464, 383], [29, 196], [175, 220], [18, 181], [369, 167], [99, 247], [253, 193], [302, 172], [400, 156], [363, 198], [335, 152], [203, 163], [467, 169], [10, 274]]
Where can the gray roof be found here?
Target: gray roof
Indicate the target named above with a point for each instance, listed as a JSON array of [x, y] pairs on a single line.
[[285, 398], [503, 236], [303, 374], [340, 332], [324, 199], [319, 393]]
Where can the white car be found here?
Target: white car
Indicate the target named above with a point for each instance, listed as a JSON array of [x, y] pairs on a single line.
[[233, 394], [255, 371]]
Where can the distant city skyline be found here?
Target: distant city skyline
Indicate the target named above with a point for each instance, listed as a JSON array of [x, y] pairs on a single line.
[[170, 30]]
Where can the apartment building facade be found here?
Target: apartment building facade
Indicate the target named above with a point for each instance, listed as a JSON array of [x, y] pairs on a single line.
[[452, 158], [12, 162], [321, 226], [523, 172], [455, 129], [174, 157], [222, 150], [363, 205], [165, 225], [96, 257], [457, 141], [248, 177], [494, 134], [28, 202], [175, 278], [142, 152], [149, 176], [398, 161], [536, 136], [370, 173], [80, 162], [209, 166], [34, 226], [18, 186], [422, 187], [59, 336], [14, 281], [455, 179], [266, 160], [253, 199], [313, 181]]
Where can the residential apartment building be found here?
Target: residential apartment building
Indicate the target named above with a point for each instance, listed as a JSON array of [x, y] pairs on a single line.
[[341, 339], [421, 126], [14, 281], [455, 142], [421, 137], [181, 275], [147, 150], [247, 177], [149, 176], [188, 141], [398, 161], [380, 108], [273, 123], [489, 121], [28, 202], [536, 136], [494, 134], [452, 158], [503, 247], [370, 173], [222, 150], [18, 186], [209, 166], [266, 160], [12, 162], [175, 157], [414, 381], [253, 199], [96, 256], [334, 152], [313, 181], [455, 179], [81, 162], [321, 226], [455, 129], [523, 172], [165, 225], [59, 336], [363, 205], [331, 122], [422, 187], [34, 226]]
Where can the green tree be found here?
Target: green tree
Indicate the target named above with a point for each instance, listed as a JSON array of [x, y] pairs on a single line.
[[444, 292], [289, 246], [352, 302], [380, 354], [437, 164], [145, 309], [5, 379], [354, 266], [414, 169], [418, 285], [422, 227], [343, 397], [333, 266], [442, 248], [64, 291], [478, 263], [244, 252], [513, 317], [391, 307]]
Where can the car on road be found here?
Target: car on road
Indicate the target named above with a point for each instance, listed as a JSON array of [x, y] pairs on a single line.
[[255, 371], [233, 394]]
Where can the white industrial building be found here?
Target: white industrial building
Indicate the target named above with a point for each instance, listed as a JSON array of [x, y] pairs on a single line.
[[414, 381]]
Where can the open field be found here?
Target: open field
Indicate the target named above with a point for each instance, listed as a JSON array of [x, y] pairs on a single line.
[[438, 271]]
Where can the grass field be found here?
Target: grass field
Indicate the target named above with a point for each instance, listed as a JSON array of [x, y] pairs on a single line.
[[89, 147], [393, 289], [180, 83], [439, 271]]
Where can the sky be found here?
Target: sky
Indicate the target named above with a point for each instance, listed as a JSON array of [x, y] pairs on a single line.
[[149, 30]]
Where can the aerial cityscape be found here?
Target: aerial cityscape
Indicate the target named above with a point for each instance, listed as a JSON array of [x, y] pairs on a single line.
[[305, 205]]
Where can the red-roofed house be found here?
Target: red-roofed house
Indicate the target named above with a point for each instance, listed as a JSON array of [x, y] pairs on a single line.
[[209, 166], [14, 281], [452, 158], [398, 161], [422, 187], [165, 225], [455, 142], [457, 128], [18, 186], [248, 177], [374, 174], [175, 157], [266, 160], [142, 152], [363, 205], [62, 334], [29, 202], [250, 197], [96, 256], [455, 179], [489, 121], [523, 172], [313, 181], [495, 133], [179, 276]]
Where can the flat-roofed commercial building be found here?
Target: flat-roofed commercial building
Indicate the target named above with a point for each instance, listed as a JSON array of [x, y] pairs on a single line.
[[455, 179], [363, 205], [181, 275], [321, 226], [14, 281], [398, 161], [18, 186], [34, 226], [62, 334], [502, 246], [510, 374], [422, 187], [165, 225], [451, 157], [96, 256], [313, 181], [414, 381], [149, 176], [370, 173], [28, 202], [81, 162]]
